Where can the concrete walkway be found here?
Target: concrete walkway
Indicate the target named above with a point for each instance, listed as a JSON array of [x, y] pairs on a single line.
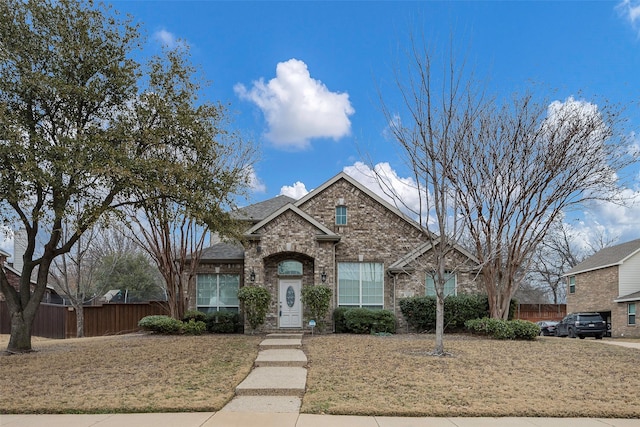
[[277, 382]]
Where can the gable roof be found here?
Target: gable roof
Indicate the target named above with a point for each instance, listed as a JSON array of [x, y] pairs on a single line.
[[259, 211], [404, 263], [607, 257], [359, 186], [325, 233]]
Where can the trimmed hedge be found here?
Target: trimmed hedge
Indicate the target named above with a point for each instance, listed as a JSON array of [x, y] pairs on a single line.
[[161, 324], [504, 329], [255, 300], [224, 322], [339, 322], [363, 321], [195, 315], [194, 327], [420, 312], [316, 301]]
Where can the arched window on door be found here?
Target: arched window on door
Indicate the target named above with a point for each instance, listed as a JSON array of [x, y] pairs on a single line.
[[290, 268]]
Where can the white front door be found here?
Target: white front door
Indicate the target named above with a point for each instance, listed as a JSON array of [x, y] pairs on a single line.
[[290, 305]]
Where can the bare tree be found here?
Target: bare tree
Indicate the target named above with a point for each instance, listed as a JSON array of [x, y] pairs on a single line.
[[174, 241], [558, 252], [519, 166], [426, 127], [72, 275]]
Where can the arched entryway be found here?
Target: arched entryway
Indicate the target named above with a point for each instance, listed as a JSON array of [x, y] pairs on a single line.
[[289, 271]]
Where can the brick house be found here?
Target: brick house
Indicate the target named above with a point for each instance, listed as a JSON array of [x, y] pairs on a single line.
[[341, 235], [608, 283], [13, 277]]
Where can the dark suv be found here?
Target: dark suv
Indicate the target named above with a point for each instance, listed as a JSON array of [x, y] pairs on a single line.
[[582, 325]]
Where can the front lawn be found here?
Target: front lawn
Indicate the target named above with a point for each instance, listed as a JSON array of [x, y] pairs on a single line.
[[128, 373], [395, 375]]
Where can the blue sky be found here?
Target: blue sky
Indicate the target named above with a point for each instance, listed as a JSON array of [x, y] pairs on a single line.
[[303, 79]]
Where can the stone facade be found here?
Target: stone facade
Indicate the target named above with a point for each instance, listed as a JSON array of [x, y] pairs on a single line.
[[375, 232]]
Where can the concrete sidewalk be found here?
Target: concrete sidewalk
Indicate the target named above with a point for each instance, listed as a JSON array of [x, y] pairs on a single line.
[[245, 419]]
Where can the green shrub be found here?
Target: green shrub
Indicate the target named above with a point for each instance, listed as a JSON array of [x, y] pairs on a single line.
[[339, 322], [224, 322], [194, 327], [366, 321], [316, 300], [420, 312], [503, 329], [525, 330], [161, 324], [196, 315], [255, 300]]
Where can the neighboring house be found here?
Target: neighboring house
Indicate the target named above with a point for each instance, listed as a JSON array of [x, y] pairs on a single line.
[[341, 235], [608, 283], [13, 276]]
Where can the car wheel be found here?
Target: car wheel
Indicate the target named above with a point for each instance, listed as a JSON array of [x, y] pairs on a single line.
[[581, 337]]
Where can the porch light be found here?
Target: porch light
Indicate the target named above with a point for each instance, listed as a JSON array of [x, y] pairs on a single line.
[[323, 276], [252, 276]]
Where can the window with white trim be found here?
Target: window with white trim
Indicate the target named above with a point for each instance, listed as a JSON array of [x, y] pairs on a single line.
[[572, 284], [217, 292], [449, 284], [361, 284], [631, 313], [341, 215]]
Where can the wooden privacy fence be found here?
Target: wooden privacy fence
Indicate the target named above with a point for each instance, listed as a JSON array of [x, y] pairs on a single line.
[[57, 321], [536, 312]]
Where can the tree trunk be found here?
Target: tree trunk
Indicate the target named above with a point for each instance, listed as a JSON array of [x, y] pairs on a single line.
[[80, 321], [20, 340], [439, 348]]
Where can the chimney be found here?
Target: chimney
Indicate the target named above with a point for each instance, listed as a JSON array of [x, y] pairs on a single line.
[[19, 248]]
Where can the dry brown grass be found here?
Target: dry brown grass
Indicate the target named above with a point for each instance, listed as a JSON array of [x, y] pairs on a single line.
[[348, 374], [129, 373], [554, 377]]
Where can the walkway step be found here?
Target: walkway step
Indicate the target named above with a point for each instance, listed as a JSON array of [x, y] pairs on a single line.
[[282, 335], [274, 381], [264, 404], [281, 357], [281, 343]]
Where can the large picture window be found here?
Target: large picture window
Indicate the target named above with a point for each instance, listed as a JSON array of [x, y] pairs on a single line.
[[449, 284], [361, 284], [631, 313], [217, 292]]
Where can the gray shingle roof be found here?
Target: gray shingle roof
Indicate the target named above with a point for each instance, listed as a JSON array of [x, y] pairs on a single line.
[[607, 257], [223, 252], [631, 297], [259, 211]]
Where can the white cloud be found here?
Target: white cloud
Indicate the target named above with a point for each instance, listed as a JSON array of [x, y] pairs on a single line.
[[255, 183], [295, 191], [298, 108], [400, 192], [167, 38], [630, 10]]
